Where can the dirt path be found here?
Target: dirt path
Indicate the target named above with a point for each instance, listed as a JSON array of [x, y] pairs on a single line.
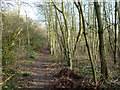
[[41, 72]]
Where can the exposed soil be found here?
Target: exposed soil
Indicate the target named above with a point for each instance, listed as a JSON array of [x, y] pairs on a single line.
[[41, 72], [47, 72]]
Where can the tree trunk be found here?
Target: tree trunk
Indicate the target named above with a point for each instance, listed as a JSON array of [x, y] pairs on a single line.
[[119, 33], [68, 34], [115, 50], [50, 29], [104, 69], [87, 45], [80, 30], [28, 36]]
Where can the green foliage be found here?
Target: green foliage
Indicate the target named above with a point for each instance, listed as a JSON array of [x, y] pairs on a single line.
[[15, 43], [13, 38], [32, 56], [26, 74], [9, 86]]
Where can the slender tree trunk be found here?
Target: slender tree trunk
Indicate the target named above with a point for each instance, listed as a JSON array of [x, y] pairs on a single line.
[[56, 29], [28, 36], [73, 27], [119, 32], [46, 17], [104, 69], [95, 37], [63, 39], [1, 29], [53, 33], [110, 34], [68, 34], [50, 29], [19, 6], [68, 37], [87, 45], [80, 30], [115, 50]]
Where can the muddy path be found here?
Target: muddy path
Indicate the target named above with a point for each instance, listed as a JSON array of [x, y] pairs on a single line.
[[41, 71]]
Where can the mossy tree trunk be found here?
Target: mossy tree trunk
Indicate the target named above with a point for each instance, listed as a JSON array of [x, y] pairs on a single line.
[[63, 39], [19, 6], [87, 44], [50, 29], [80, 30], [104, 69], [68, 34]]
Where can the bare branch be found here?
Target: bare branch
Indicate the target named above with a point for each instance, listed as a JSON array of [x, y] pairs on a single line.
[[57, 7]]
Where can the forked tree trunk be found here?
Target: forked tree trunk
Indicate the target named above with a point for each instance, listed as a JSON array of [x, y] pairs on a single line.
[[68, 34], [80, 30], [87, 44]]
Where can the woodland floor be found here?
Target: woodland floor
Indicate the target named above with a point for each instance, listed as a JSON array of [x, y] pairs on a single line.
[[43, 69], [40, 69]]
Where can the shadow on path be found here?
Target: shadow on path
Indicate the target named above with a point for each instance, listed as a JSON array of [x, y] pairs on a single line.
[[41, 72]]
